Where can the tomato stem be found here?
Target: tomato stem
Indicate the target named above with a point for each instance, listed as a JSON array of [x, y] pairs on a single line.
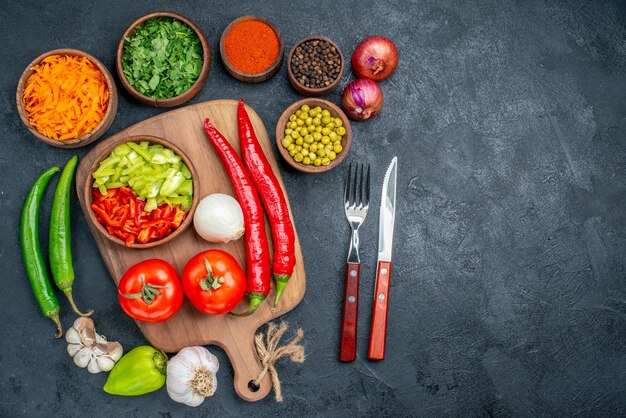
[[149, 291], [210, 282]]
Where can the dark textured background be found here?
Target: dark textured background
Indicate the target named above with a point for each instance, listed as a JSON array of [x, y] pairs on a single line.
[[508, 291]]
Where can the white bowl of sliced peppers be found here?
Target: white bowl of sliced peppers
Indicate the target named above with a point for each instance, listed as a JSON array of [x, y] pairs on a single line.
[[141, 191]]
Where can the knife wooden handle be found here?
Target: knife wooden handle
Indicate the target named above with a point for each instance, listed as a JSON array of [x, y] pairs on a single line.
[[378, 333], [347, 349]]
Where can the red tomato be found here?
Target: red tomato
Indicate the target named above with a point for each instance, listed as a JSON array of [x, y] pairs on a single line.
[[215, 290], [150, 291]]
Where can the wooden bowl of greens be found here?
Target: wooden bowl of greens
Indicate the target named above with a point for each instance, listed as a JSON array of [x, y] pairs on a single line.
[[163, 59]]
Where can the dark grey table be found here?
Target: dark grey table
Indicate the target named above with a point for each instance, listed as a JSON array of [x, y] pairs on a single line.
[[508, 291]]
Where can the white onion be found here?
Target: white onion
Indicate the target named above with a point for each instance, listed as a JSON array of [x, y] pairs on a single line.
[[219, 218]]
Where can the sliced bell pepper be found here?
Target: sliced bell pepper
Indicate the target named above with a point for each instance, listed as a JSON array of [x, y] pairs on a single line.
[[123, 215]]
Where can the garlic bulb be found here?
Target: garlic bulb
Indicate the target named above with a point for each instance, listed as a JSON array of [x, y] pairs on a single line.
[[191, 375], [89, 349], [219, 218]]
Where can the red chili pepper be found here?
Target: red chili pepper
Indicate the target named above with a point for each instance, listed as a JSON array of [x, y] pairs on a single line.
[[273, 200], [257, 249]]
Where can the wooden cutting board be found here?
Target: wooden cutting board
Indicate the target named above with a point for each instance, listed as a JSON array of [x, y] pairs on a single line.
[[189, 327]]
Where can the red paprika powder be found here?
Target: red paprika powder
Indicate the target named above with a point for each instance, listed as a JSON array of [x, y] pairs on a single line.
[[251, 46]]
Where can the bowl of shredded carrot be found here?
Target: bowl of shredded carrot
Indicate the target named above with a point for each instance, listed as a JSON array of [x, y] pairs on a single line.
[[66, 98]]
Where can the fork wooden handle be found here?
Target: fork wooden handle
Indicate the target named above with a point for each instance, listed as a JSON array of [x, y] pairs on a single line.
[[378, 333], [347, 350]]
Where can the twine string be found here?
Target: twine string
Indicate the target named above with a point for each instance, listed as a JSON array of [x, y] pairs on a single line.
[[270, 353]]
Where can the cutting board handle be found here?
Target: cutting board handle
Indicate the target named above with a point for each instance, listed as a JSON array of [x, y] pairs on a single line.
[[247, 367]]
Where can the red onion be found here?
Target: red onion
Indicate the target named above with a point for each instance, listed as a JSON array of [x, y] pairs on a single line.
[[362, 99], [375, 58]]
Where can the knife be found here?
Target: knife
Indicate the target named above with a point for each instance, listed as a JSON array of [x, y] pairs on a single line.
[[378, 332]]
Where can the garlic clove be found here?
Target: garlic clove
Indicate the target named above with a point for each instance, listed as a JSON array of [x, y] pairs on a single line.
[[82, 357], [101, 339], [210, 361], [72, 349], [99, 349], [88, 336], [179, 389], [115, 350], [72, 336], [82, 323], [105, 363], [194, 399], [93, 366]]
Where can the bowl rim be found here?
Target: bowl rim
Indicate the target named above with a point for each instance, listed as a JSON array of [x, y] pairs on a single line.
[[187, 94], [308, 90], [346, 140], [268, 72], [104, 153], [89, 137]]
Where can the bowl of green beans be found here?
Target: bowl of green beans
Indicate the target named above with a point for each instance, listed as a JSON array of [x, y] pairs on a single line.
[[313, 135]]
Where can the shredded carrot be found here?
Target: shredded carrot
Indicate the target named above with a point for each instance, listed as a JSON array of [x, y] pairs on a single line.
[[66, 97]]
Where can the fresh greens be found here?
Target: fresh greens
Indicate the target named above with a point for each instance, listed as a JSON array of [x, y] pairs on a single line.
[[162, 58], [153, 172]]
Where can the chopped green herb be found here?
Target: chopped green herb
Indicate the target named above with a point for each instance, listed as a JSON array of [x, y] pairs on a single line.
[[162, 58]]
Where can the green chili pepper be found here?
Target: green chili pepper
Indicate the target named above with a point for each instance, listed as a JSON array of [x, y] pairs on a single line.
[[60, 237], [31, 251], [140, 371]]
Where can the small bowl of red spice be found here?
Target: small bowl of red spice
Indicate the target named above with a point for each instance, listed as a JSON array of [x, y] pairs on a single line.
[[252, 49]]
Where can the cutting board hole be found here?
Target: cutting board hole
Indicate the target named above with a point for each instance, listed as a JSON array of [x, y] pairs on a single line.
[[253, 386]]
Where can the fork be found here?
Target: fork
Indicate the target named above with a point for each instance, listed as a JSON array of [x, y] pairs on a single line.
[[356, 202]]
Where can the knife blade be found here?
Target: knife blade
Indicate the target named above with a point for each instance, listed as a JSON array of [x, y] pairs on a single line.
[[387, 212], [378, 332]]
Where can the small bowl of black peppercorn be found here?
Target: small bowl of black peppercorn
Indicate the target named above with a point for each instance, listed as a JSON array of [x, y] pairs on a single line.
[[315, 66]]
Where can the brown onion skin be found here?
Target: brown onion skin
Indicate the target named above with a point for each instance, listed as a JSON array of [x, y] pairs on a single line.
[[375, 58], [362, 99]]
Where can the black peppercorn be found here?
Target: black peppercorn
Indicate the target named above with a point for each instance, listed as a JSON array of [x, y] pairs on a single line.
[[315, 64]]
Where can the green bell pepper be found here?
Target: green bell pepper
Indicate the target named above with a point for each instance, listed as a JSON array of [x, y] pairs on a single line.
[[140, 371]]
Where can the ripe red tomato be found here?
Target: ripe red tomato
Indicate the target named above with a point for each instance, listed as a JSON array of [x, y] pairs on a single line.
[[150, 291], [214, 282]]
